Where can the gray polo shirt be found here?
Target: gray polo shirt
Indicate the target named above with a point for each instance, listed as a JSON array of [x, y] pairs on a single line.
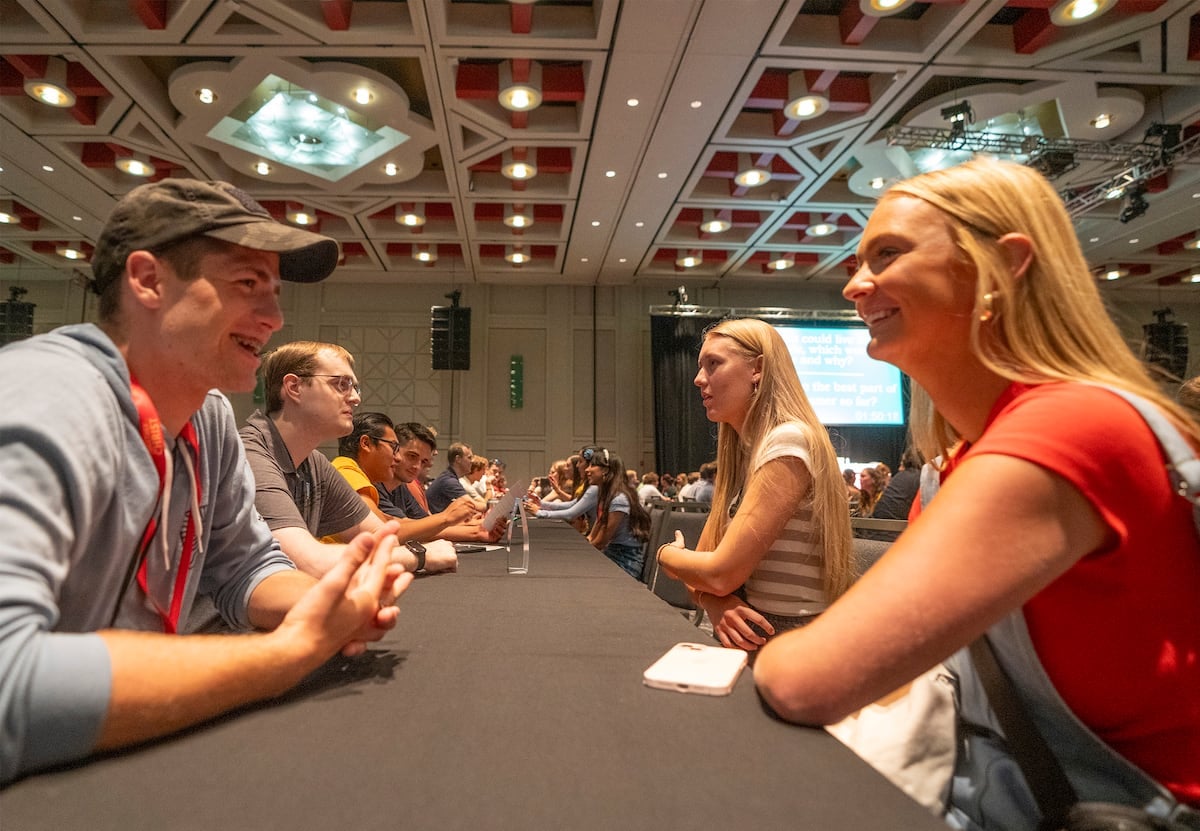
[[312, 496]]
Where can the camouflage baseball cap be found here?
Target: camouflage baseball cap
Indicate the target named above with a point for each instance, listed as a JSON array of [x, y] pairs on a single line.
[[153, 216]]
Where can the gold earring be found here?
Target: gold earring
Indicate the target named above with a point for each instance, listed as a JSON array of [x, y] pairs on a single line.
[[988, 313]]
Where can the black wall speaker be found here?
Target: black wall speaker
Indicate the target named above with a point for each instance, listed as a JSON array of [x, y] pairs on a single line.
[[1167, 346], [16, 321], [450, 337]]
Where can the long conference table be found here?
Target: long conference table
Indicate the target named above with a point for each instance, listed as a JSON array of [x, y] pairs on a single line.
[[499, 702]]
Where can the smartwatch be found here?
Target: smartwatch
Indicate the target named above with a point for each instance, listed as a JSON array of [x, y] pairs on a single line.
[[418, 551]]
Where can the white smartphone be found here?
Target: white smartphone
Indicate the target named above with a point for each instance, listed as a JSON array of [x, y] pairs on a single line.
[[696, 668]]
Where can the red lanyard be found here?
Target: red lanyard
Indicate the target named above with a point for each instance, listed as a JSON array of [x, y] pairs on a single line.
[[152, 435]]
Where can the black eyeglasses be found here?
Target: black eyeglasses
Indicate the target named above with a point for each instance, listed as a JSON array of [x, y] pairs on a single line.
[[395, 445], [341, 383]]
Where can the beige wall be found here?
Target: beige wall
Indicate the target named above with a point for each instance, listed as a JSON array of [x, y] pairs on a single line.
[[557, 330]]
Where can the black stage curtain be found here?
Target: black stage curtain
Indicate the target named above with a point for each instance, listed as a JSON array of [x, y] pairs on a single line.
[[684, 438]]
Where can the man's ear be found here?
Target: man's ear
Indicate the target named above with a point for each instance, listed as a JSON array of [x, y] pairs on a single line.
[[144, 274], [1019, 250], [290, 387]]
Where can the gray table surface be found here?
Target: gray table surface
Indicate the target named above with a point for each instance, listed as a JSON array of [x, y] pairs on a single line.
[[499, 701]]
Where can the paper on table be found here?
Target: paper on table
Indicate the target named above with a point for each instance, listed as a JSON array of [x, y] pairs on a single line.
[[503, 507]]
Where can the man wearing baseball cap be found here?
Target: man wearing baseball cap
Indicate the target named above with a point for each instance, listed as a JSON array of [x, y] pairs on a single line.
[[124, 492]]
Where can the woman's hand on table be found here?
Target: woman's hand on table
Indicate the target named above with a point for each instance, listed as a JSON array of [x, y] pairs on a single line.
[[732, 619]]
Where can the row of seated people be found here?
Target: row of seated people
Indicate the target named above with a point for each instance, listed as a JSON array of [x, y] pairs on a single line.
[[314, 506]]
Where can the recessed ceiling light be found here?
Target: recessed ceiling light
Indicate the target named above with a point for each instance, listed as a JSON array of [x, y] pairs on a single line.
[[8, 215], [821, 229], [662, 175], [51, 88], [390, 169], [301, 214], [77, 218], [516, 216], [877, 183], [595, 223], [1194, 277], [519, 170], [1114, 272], [633, 102], [610, 173], [1193, 243], [1094, 239], [206, 95], [1134, 241], [362, 95], [583, 259], [135, 165], [69, 252], [881, 8], [781, 263], [410, 215], [639, 224], [695, 105], [1101, 121], [262, 168], [752, 177], [1074, 12], [48, 168], [621, 260]]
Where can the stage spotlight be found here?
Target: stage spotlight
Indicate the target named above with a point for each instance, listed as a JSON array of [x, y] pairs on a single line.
[[959, 115], [1135, 204]]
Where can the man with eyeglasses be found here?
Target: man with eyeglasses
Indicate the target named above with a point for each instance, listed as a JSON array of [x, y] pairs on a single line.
[[124, 492], [311, 394], [459, 522]]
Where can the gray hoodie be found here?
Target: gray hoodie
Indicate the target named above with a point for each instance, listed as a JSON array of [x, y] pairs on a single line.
[[77, 488]]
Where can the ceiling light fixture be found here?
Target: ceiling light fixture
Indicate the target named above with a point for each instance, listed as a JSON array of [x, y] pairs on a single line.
[[70, 251], [1101, 121], [299, 214], [689, 259], [425, 254], [882, 8], [782, 262], [206, 95], [515, 254], [262, 168], [410, 214], [51, 88], [391, 169], [632, 102], [8, 213], [135, 164], [710, 223], [516, 216], [1074, 12], [1114, 272], [522, 95], [821, 229], [517, 168], [750, 175], [362, 96], [1193, 243], [803, 104]]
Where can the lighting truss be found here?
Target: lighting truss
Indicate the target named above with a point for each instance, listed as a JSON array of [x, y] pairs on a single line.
[[1008, 144], [1136, 170]]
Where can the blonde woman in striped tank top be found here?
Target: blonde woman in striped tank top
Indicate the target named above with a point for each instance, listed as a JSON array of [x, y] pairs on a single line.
[[775, 550]]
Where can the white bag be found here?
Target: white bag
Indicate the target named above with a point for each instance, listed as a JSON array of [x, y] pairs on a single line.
[[909, 737]]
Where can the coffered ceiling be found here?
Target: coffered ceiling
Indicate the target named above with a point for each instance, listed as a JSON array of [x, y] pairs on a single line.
[[649, 112]]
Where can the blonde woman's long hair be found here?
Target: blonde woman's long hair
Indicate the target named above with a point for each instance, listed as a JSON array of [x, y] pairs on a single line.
[[1048, 324], [781, 399]]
